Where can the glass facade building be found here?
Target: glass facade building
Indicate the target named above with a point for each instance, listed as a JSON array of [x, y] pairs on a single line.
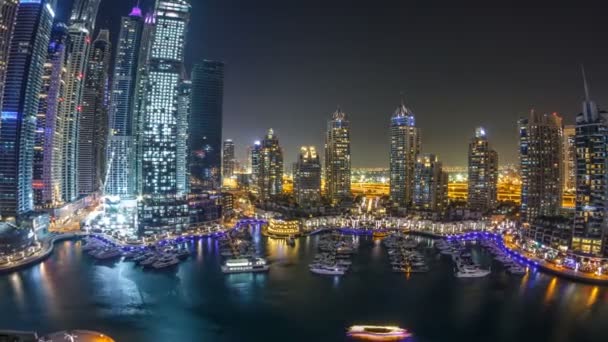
[[8, 12], [205, 140], [228, 159], [81, 27], [307, 176], [483, 173], [540, 156], [404, 148], [590, 233], [93, 127], [161, 206], [121, 144], [49, 132], [430, 190], [268, 169], [338, 158], [23, 83]]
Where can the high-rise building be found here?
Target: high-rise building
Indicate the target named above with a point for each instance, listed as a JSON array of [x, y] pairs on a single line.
[[161, 206], [405, 147], [430, 189], [307, 176], [184, 106], [81, 27], [139, 100], [337, 157], [205, 142], [93, 126], [268, 166], [569, 159], [254, 158], [8, 12], [27, 55], [121, 144], [228, 159], [590, 233], [49, 132], [483, 173], [540, 156]]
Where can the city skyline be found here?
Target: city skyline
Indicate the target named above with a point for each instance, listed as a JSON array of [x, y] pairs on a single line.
[[531, 69]]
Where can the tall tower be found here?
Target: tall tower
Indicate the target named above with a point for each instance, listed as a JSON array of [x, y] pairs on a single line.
[[121, 144], [81, 27], [47, 175], [27, 55], [162, 207], [405, 147], [569, 159], [540, 155], [228, 159], [307, 176], [590, 233], [8, 12], [184, 108], [430, 190], [205, 142], [337, 157], [93, 127], [483, 172], [270, 167]]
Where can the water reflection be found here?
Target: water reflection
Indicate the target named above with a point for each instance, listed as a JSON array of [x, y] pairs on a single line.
[[70, 290]]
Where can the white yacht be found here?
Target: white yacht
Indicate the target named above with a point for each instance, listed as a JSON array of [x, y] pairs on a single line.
[[327, 270], [245, 265], [471, 272]]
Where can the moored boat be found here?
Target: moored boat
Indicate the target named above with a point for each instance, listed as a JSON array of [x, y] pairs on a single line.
[[378, 333]]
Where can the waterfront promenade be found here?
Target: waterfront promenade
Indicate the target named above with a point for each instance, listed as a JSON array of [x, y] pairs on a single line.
[[46, 249], [462, 231]]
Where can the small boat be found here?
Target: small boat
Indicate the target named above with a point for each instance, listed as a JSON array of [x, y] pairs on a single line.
[[517, 270], [245, 265], [471, 272], [380, 234], [327, 270], [377, 333]]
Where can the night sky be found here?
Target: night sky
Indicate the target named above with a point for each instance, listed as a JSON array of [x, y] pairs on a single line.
[[289, 63]]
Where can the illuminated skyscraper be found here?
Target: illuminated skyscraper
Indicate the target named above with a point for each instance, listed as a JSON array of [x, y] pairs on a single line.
[[183, 114], [405, 147], [81, 27], [337, 157], [483, 173], [93, 127], [49, 133], [205, 126], [27, 55], [430, 189], [8, 12], [269, 166], [307, 176], [254, 158], [590, 232], [228, 159], [540, 156], [569, 159], [121, 145], [162, 206]]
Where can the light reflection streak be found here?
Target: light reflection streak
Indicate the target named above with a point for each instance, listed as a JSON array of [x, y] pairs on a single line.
[[550, 292], [593, 296]]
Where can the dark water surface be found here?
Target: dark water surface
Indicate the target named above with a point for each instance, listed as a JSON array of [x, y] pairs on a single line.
[[196, 302]]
